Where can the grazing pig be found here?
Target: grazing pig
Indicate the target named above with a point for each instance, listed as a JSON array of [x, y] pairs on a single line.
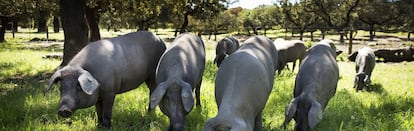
[[364, 65], [282, 55], [332, 45], [395, 54], [315, 84], [179, 71], [105, 68], [224, 48], [243, 84], [290, 51]]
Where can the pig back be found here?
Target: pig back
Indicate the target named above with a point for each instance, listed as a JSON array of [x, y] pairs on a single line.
[[184, 60], [318, 74], [124, 62]]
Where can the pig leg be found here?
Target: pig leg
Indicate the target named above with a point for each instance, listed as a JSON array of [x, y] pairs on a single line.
[[98, 107], [152, 85], [294, 64], [197, 92], [258, 122], [105, 110]]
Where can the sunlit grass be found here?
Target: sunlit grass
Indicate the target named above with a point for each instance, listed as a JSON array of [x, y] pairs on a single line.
[[387, 105]]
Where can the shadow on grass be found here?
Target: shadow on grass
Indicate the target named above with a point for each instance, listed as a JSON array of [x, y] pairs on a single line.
[[376, 88], [139, 120], [347, 111], [18, 99], [21, 79]]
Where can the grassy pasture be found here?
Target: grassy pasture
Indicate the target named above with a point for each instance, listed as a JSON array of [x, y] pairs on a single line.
[[387, 105]]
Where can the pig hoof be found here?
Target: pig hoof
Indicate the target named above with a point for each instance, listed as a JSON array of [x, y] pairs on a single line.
[[103, 125]]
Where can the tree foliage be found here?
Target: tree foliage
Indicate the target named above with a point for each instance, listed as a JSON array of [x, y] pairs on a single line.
[[377, 12], [266, 16], [299, 15]]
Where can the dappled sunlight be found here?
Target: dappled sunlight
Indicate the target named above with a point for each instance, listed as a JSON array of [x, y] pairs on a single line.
[[385, 105]]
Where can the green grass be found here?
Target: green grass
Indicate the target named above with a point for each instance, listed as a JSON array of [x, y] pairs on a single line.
[[387, 105]]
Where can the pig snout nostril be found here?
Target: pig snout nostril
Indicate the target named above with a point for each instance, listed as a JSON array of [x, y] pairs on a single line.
[[65, 113]]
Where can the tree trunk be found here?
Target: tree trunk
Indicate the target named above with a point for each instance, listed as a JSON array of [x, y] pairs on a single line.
[[265, 31], [4, 22], [56, 26], [254, 30], [42, 21], [301, 35], [176, 32], [15, 26], [323, 34], [350, 42], [185, 24], [92, 17], [75, 28], [47, 34], [215, 35], [311, 35], [409, 36], [248, 31], [371, 32], [341, 37]]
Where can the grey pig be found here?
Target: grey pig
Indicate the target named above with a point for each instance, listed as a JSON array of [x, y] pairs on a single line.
[[105, 68], [179, 72], [364, 65], [242, 86], [315, 85]]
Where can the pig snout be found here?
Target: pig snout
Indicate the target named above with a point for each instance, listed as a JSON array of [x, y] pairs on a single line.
[[65, 111], [177, 127], [66, 107]]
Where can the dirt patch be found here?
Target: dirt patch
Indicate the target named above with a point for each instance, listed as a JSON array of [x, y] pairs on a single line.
[[39, 45], [44, 39]]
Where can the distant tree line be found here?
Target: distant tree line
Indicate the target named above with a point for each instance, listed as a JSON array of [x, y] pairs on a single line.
[[82, 19]]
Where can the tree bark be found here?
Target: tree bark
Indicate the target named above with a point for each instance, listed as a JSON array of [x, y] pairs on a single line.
[[254, 30], [176, 32], [185, 24], [75, 28], [248, 32], [4, 21], [15, 25], [371, 32], [351, 32], [215, 35], [341, 37], [42, 21], [56, 26], [14, 28], [92, 16], [301, 35], [311, 35], [323, 34]]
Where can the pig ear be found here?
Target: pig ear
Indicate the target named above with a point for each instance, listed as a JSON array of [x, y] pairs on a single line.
[[366, 81], [87, 82], [54, 78], [215, 60], [315, 114], [187, 96], [356, 79], [157, 95], [290, 111]]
